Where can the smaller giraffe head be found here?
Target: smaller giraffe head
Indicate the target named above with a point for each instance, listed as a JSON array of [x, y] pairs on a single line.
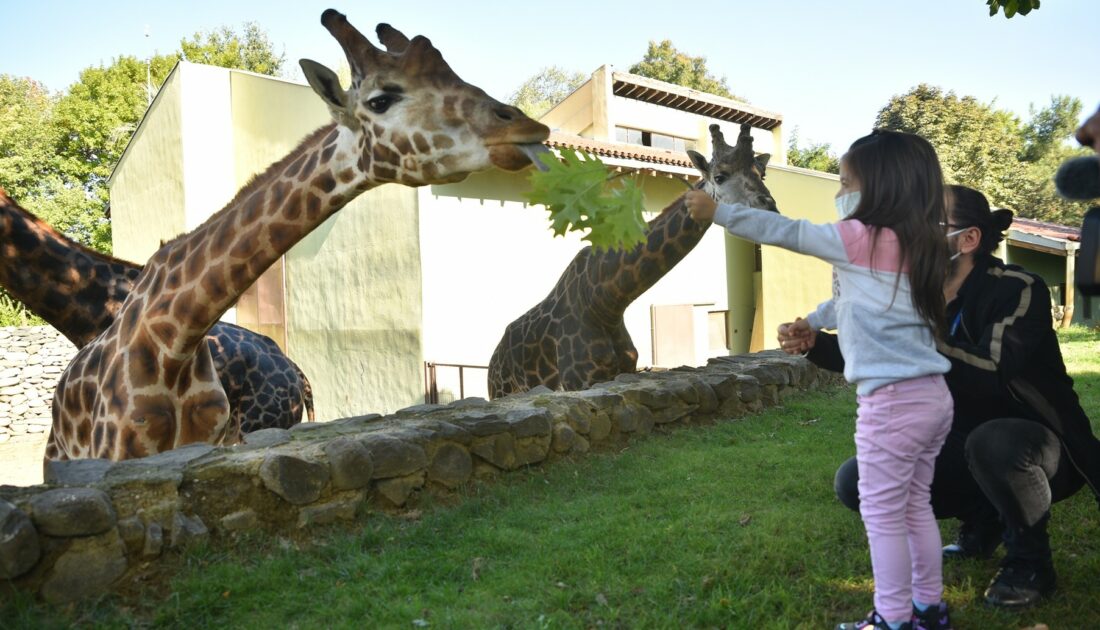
[[735, 174], [417, 121]]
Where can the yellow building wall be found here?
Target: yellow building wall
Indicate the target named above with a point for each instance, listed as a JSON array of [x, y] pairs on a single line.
[[147, 187], [353, 285], [574, 114], [792, 285]]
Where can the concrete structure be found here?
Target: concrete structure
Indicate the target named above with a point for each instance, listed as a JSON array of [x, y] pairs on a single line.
[[406, 276]]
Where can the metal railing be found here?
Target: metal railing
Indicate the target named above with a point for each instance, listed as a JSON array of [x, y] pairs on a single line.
[[431, 381]]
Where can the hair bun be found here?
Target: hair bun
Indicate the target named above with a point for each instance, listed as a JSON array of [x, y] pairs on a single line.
[[1001, 219]]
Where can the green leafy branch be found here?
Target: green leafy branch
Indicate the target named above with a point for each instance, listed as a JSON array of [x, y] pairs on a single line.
[[580, 194], [1012, 7]]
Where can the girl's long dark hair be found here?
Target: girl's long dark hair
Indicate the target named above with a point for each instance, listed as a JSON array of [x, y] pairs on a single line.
[[901, 188]]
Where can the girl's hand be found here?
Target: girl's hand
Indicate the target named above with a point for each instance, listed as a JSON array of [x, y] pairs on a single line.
[[700, 205], [796, 337]]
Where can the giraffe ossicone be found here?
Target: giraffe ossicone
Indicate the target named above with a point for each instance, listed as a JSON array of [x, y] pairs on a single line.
[[576, 336], [148, 384]]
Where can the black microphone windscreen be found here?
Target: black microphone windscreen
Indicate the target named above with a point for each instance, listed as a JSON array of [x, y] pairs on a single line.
[[1079, 178]]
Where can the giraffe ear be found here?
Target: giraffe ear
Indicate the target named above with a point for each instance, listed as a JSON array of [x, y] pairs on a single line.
[[699, 161], [762, 162], [325, 83]]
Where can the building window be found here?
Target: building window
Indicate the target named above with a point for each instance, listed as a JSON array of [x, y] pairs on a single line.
[[655, 140]]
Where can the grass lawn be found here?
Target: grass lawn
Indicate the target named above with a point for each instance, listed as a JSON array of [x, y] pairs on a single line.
[[732, 525]]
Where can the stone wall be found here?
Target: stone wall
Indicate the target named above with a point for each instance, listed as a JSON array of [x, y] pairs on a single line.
[[31, 361], [94, 522]]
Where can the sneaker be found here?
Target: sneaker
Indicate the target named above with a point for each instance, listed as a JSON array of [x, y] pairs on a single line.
[[1019, 584], [933, 618], [874, 621], [975, 540]]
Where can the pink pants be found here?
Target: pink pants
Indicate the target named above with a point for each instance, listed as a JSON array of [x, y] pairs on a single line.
[[899, 431]]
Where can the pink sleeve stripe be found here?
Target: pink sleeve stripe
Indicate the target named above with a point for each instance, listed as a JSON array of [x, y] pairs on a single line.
[[857, 239]]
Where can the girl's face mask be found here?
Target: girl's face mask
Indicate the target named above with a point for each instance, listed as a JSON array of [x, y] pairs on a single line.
[[846, 204]]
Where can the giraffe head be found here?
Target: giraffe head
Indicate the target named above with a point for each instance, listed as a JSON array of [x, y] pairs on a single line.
[[416, 121], [735, 174]]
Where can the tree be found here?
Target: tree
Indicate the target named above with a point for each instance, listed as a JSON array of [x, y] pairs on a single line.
[[991, 150], [26, 134], [1050, 126], [57, 151], [815, 156], [101, 111], [1045, 149], [1011, 7], [977, 145], [545, 89], [223, 47], [664, 62]]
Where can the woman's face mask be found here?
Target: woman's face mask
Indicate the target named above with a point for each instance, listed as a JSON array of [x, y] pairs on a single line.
[[846, 204], [950, 235]]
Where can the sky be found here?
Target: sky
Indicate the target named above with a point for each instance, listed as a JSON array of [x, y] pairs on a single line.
[[826, 67]]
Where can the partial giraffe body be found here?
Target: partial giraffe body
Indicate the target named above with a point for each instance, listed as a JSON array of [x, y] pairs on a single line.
[[148, 383], [79, 292], [576, 337]]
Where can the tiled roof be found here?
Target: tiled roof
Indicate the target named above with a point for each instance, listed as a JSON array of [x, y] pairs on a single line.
[[1049, 230], [692, 101], [620, 150]]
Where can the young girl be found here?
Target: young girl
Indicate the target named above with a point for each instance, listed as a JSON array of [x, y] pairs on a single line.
[[890, 256]]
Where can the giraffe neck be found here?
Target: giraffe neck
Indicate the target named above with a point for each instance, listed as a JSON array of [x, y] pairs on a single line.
[[621, 277], [194, 279], [75, 289]]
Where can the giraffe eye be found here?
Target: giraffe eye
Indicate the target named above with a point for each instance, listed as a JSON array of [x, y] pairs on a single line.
[[720, 179], [379, 104]]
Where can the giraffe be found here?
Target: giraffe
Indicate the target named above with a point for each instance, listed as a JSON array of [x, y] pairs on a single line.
[[147, 384], [576, 337], [79, 291]]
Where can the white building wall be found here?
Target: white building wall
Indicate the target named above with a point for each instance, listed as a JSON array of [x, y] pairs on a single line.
[[486, 263]]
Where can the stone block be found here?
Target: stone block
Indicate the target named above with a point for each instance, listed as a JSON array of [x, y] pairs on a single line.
[[88, 567], [350, 463], [242, 520], [132, 531], [499, 450], [186, 530], [297, 480], [343, 509], [154, 540], [393, 457], [18, 542], [451, 466], [529, 422], [69, 512], [398, 489], [264, 438]]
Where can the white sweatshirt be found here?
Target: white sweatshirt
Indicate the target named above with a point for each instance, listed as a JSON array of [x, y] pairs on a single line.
[[882, 337]]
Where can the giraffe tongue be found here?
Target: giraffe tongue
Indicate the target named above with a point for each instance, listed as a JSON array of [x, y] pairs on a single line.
[[532, 151]]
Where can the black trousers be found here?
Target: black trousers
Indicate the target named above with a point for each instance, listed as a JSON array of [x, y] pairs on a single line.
[[1008, 468]]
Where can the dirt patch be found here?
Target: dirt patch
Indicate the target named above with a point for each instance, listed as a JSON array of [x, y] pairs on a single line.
[[21, 461]]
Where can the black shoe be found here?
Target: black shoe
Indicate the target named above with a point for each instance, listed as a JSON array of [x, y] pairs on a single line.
[[975, 540], [1020, 584], [933, 618], [874, 621]]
